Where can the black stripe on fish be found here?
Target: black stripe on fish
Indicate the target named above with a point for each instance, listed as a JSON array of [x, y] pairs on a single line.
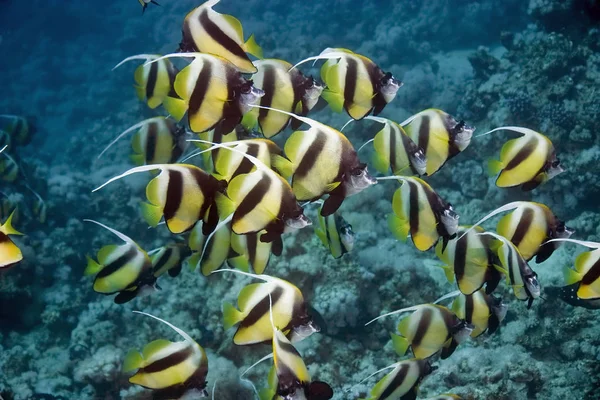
[[392, 144], [424, 133], [449, 125], [220, 37], [289, 348], [523, 226], [251, 243], [169, 361], [164, 258], [253, 198], [522, 154], [269, 88], [511, 267], [201, 88], [593, 274], [399, 378], [469, 308], [151, 139], [117, 264], [413, 193], [312, 154], [350, 81], [423, 326], [246, 165], [209, 186], [174, 194], [460, 258], [151, 81], [262, 308]]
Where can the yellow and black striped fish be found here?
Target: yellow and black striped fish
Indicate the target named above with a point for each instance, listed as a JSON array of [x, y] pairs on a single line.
[[250, 251], [9, 169], [395, 150], [19, 128], [181, 193], [440, 136], [213, 92], [403, 381], [470, 260], [584, 280], [420, 211], [144, 4], [10, 254], [40, 209], [169, 259], [212, 255], [485, 312], [336, 234], [124, 269], [154, 80], [173, 370], [518, 273], [527, 161], [285, 89], [207, 31], [289, 310], [355, 83], [213, 137]]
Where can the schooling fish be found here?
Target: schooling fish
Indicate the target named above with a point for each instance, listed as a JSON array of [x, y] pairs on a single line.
[[587, 270], [252, 252], [181, 193], [355, 83], [124, 269], [568, 294], [19, 128], [169, 259], [285, 89], [429, 329], [212, 136], [527, 161], [9, 169], [440, 136], [420, 211], [213, 92], [144, 4], [403, 382], [40, 209], [173, 370], [207, 31], [336, 234], [154, 80], [530, 227], [289, 310], [10, 254], [7, 207], [470, 260], [518, 273], [5, 140], [212, 255]]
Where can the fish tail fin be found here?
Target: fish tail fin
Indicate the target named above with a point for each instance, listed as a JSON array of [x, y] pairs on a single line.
[[137, 159], [400, 344], [239, 262], [7, 228], [151, 213], [140, 92], [449, 272], [225, 206], [335, 100], [194, 261], [494, 167], [133, 360], [267, 394], [284, 166], [380, 163], [231, 315], [92, 268], [175, 107], [253, 48], [398, 226], [571, 276]]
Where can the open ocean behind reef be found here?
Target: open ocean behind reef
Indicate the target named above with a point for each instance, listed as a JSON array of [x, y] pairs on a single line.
[[529, 63]]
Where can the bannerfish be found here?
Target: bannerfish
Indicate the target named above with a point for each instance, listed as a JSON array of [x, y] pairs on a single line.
[[470, 260], [336, 234], [181, 193], [285, 89], [440, 136], [428, 330], [5, 140], [587, 270], [173, 370], [154, 82], [169, 259], [531, 227], [144, 4], [402, 383], [9, 169], [207, 31], [40, 209], [123, 269], [213, 136], [212, 256], [10, 254], [527, 161], [19, 128], [252, 252], [355, 83], [420, 211]]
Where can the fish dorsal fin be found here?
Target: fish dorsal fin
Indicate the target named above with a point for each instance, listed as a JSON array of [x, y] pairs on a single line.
[[394, 365], [120, 235], [142, 168], [4, 148], [447, 296], [145, 57], [154, 347], [400, 311], [176, 329], [504, 208], [131, 128], [193, 55], [591, 245], [265, 278], [235, 24], [518, 129], [327, 54], [265, 358], [309, 121]]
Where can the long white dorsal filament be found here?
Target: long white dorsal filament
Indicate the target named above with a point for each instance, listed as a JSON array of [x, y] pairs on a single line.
[[379, 371], [120, 235], [325, 55], [518, 129], [177, 55], [265, 278], [131, 128], [176, 329], [504, 208], [265, 358], [402, 310], [4, 148], [591, 245], [145, 57], [447, 296], [132, 171]]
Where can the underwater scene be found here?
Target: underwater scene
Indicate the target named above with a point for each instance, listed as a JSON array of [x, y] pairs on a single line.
[[286, 200]]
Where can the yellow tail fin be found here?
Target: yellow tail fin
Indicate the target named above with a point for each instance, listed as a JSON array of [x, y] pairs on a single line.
[[151, 213], [93, 267], [231, 315], [335, 100], [571, 276], [494, 167], [7, 228], [398, 226], [253, 48], [282, 165], [133, 360], [400, 344], [176, 107]]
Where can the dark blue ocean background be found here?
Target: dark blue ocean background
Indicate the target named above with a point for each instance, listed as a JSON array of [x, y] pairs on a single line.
[[533, 63]]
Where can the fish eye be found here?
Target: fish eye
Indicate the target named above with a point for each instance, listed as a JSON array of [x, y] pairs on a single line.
[[555, 163], [460, 126]]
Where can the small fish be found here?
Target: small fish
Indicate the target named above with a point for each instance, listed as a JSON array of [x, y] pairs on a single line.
[[527, 161], [144, 4], [568, 294], [285, 89], [587, 270], [10, 254], [124, 269], [336, 234], [420, 211], [181, 193], [518, 273], [9, 169], [440, 136], [402, 383], [173, 370], [428, 330], [213, 137], [40, 209], [355, 83], [470, 260], [212, 256], [289, 310], [154, 80], [395, 150], [252, 252], [484, 312], [19, 128], [213, 92], [5, 140], [169, 259], [207, 31]]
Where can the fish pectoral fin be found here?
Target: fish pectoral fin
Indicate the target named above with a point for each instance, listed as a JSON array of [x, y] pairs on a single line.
[[494, 167], [399, 227], [253, 48], [330, 187], [400, 344], [133, 360], [151, 213], [503, 272], [335, 100], [239, 262], [231, 315], [571, 276]]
